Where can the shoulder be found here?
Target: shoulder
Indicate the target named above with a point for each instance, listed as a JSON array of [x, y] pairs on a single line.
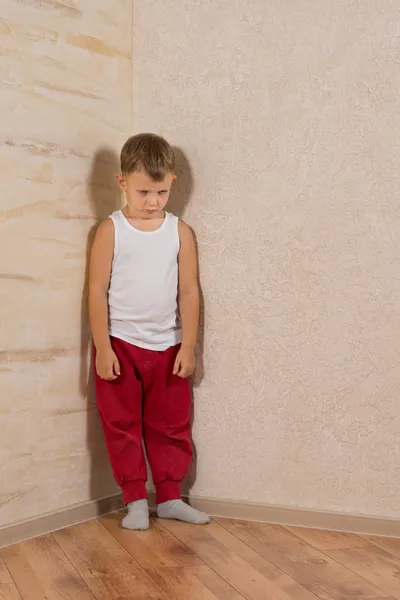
[[105, 232], [187, 241], [185, 231], [106, 227]]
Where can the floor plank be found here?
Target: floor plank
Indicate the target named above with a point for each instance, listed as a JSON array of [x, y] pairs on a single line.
[[171, 564], [41, 570], [8, 589], [314, 570], [153, 548], [107, 568], [390, 545], [328, 540], [243, 568], [194, 583], [374, 565]]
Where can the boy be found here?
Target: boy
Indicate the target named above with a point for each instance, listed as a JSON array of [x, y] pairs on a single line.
[[144, 309]]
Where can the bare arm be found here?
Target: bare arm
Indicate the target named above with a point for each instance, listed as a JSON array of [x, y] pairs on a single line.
[[188, 295], [99, 281]]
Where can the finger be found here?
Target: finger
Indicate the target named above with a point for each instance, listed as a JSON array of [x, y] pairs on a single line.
[[110, 375], [184, 372], [177, 366], [116, 366], [102, 374]]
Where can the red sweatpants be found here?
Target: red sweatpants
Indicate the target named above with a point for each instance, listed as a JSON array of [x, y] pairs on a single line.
[[146, 402]]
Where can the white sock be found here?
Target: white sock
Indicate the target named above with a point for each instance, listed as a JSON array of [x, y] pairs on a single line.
[[178, 510], [138, 516]]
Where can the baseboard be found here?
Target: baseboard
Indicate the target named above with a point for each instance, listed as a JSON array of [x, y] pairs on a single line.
[[298, 517], [263, 513], [49, 522]]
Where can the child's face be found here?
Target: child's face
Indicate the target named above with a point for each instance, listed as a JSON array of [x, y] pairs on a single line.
[[146, 198]]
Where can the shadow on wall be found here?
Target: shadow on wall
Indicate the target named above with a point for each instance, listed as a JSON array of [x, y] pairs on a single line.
[[105, 197], [179, 200]]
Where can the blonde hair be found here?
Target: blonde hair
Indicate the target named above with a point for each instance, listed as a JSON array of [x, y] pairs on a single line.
[[148, 152]]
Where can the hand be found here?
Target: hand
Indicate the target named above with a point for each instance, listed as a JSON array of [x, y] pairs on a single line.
[[107, 365], [184, 363]]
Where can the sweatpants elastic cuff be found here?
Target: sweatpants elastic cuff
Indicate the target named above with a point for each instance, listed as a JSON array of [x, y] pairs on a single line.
[[168, 490], [134, 490]]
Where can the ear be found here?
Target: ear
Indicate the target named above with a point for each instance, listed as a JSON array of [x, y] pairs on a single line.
[[174, 178], [121, 182]]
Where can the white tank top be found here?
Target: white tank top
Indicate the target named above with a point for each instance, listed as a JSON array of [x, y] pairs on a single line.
[[142, 298]]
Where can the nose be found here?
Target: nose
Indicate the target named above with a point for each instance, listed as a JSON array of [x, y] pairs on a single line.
[[152, 200]]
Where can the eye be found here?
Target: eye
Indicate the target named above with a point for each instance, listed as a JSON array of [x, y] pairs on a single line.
[[143, 192], [163, 192]]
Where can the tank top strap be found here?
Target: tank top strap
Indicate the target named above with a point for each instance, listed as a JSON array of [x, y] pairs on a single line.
[[173, 227], [116, 219]]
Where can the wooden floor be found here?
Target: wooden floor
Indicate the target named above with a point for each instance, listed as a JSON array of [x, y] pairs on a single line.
[[226, 560]]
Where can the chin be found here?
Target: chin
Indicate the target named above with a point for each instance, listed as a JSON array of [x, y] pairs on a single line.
[[151, 214]]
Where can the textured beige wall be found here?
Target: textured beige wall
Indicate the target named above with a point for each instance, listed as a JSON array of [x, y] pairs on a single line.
[[289, 114], [65, 101]]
